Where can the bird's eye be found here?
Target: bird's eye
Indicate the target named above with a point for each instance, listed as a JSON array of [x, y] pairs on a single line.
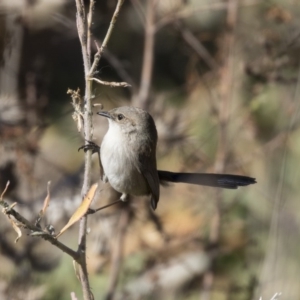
[[120, 117]]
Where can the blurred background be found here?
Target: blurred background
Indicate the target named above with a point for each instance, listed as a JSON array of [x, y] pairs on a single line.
[[221, 80]]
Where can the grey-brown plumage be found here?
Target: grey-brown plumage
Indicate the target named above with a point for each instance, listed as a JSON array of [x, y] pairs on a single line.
[[128, 156]]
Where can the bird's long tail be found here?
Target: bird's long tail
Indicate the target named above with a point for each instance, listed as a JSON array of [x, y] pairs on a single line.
[[226, 181]]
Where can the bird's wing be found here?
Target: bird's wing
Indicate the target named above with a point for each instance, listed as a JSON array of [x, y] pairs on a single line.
[[153, 183], [148, 170]]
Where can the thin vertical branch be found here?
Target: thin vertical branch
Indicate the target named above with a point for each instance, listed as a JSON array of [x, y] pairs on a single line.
[[146, 77], [82, 33], [226, 83], [89, 24], [83, 36], [106, 39], [84, 23]]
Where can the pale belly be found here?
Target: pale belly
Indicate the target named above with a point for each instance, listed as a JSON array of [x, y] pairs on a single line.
[[121, 172]]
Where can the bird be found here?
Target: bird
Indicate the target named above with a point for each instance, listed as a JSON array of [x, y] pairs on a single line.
[[128, 158]]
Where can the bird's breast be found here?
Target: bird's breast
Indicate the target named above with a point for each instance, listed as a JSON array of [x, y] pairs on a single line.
[[119, 162]]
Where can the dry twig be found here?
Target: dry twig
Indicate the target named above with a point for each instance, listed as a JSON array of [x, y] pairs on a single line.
[[84, 22], [111, 83]]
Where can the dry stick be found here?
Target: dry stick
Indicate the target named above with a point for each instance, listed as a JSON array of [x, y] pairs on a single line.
[[89, 24], [36, 231], [106, 39], [92, 211], [111, 83], [120, 69], [84, 32], [143, 96], [225, 96]]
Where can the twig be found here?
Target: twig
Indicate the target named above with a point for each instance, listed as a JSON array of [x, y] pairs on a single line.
[[89, 24], [92, 211], [83, 28], [119, 67], [111, 83], [226, 82], [37, 231], [106, 39], [143, 97], [84, 31]]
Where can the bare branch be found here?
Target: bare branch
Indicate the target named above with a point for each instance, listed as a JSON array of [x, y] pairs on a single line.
[[83, 29], [84, 32], [36, 231], [111, 83], [106, 39], [226, 82], [143, 96], [119, 67], [89, 24]]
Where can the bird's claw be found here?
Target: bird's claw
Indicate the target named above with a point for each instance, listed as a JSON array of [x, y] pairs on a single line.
[[90, 146]]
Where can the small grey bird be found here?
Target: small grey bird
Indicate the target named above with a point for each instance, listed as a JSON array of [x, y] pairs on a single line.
[[128, 156]]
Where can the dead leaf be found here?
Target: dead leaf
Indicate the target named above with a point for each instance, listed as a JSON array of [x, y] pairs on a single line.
[[81, 210], [2, 195], [46, 201], [16, 226]]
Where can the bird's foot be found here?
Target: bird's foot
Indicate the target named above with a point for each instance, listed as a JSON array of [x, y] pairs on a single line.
[[90, 146]]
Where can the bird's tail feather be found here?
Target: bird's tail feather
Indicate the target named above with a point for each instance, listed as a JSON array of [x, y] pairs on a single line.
[[226, 181]]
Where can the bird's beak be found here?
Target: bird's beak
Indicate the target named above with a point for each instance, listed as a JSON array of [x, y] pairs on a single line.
[[105, 114]]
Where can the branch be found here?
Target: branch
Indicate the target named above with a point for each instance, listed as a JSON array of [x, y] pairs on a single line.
[[143, 96], [119, 68], [106, 39], [89, 25], [226, 83], [84, 32], [111, 83], [37, 231]]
